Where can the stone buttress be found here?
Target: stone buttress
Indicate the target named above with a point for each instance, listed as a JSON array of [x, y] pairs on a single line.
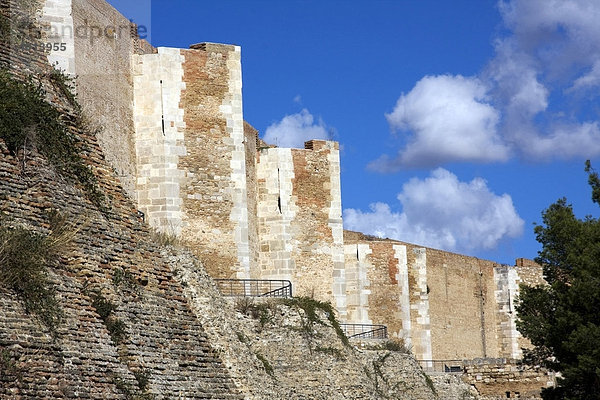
[[299, 220], [190, 151]]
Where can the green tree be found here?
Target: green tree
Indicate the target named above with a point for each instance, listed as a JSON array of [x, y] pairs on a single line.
[[562, 319]]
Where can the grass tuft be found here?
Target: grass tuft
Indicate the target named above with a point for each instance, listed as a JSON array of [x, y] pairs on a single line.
[[105, 309], [25, 256], [266, 364]]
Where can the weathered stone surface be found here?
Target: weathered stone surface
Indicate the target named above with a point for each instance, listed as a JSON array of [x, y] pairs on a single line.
[[175, 146]]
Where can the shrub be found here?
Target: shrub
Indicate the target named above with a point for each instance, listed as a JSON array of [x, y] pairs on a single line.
[[165, 239], [143, 378], [8, 366], [29, 121], [123, 278], [332, 351], [396, 345]]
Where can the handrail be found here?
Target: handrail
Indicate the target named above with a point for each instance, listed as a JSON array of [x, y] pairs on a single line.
[[255, 287], [443, 366], [365, 331]]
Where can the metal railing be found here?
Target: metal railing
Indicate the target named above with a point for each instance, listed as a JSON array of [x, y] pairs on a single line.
[[363, 331], [254, 287], [442, 366]]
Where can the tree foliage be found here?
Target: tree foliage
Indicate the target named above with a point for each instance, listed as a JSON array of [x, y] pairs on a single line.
[[562, 319]]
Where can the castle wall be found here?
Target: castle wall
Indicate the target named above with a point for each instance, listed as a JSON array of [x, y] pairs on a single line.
[[104, 41], [445, 305], [507, 283], [505, 378], [158, 83], [276, 210], [190, 152], [173, 131], [299, 216], [358, 264], [250, 144], [462, 306], [215, 198]]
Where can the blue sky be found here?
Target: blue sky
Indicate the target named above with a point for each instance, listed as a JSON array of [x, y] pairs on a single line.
[[459, 121]]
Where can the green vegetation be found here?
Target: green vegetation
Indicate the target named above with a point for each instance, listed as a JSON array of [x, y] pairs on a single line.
[[396, 345], [25, 256], [66, 86], [105, 309], [379, 379], [8, 366], [266, 365], [165, 239], [562, 319], [130, 392], [264, 311], [332, 351], [123, 278], [29, 121], [142, 376], [310, 307], [242, 338], [429, 383]]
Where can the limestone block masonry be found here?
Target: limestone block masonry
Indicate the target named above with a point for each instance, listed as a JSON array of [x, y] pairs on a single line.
[[190, 151], [419, 299], [404, 288], [103, 67], [276, 210], [507, 283], [357, 265], [215, 195], [445, 306], [57, 19], [299, 220], [159, 126]]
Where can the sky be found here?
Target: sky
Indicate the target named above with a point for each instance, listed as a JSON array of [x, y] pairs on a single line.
[[459, 121]]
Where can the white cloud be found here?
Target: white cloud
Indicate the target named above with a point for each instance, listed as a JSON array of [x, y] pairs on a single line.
[[589, 80], [442, 212], [553, 50], [293, 130], [560, 34], [565, 142], [451, 121], [521, 103]]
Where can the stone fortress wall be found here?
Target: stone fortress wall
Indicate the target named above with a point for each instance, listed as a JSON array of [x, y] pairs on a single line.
[[174, 131]]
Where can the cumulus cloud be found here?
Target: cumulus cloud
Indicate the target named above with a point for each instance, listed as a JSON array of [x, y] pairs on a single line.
[[442, 212], [451, 120], [527, 101], [293, 130], [553, 50]]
